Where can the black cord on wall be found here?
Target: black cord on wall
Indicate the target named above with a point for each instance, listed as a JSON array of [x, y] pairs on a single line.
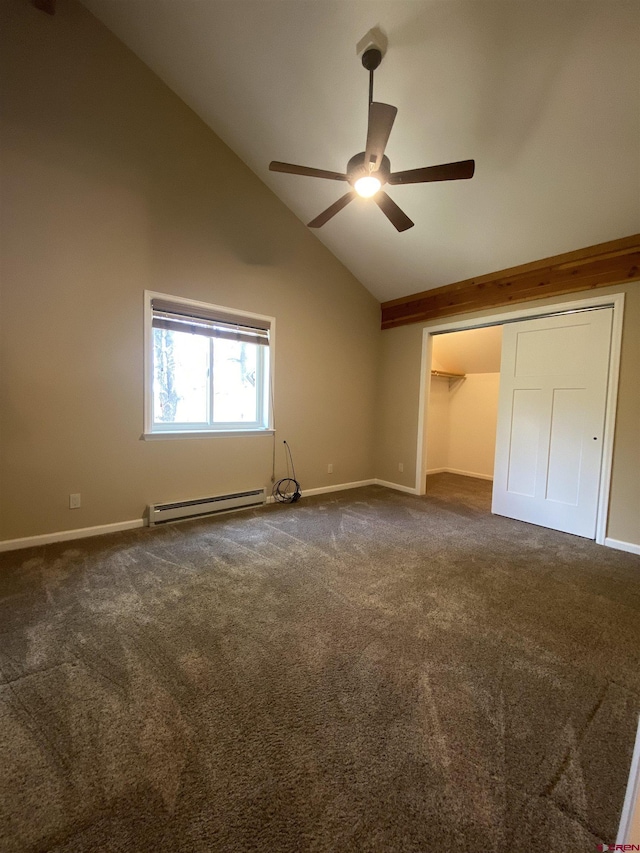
[[287, 490]]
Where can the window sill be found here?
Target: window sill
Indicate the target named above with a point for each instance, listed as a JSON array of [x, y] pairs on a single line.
[[153, 436]]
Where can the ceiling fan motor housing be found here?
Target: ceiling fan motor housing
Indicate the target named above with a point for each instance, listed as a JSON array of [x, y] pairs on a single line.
[[356, 169]]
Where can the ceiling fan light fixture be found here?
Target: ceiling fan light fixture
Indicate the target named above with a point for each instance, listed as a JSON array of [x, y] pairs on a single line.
[[367, 186]]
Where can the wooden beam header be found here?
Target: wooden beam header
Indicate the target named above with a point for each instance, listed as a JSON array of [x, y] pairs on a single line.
[[602, 265]]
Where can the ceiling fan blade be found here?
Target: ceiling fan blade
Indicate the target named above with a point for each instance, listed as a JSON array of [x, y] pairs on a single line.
[[446, 172], [381, 118], [336, 207], [396, 217], [291, 168]]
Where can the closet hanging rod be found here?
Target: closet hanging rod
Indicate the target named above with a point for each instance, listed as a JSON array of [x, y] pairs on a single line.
[[446, 375]]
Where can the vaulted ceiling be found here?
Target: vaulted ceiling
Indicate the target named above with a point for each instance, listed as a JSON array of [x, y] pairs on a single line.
[[544, 95]]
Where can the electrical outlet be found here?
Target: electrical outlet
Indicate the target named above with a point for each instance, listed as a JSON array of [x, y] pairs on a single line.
[[401, 466], [74, 501], [330, 468]]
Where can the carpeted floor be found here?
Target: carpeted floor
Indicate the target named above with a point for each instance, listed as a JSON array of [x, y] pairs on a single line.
[[362, 672]]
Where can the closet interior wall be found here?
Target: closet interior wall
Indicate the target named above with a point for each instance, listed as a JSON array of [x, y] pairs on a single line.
[[463, 406]]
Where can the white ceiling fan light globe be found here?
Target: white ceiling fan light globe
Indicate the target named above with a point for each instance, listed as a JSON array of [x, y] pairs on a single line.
[[367, 186]]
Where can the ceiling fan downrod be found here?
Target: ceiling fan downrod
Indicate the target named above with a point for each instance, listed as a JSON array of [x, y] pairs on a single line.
[[371, 58]]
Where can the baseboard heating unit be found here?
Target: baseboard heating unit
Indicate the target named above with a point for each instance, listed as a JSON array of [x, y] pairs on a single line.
[[181, 510]]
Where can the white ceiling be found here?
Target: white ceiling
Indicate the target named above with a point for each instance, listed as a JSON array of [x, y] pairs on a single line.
[[543, 94]]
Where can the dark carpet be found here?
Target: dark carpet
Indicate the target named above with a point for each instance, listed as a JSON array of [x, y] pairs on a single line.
[[363, 672]]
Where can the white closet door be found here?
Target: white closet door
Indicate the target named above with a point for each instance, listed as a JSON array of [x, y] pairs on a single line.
[[553, 389]]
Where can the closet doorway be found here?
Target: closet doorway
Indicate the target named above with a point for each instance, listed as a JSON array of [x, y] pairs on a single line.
[[463, 402], [468, 428]]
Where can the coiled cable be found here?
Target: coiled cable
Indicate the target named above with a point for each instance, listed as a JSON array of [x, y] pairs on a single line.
[[287, 490]]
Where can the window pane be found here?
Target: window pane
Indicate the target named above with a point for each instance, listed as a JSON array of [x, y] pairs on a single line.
[[180, 377], [234, 381]]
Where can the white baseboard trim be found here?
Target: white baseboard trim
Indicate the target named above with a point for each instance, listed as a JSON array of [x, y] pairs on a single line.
[[64, 535], [622, 546], [98, 530], [341, 487], [462, 473], [471, 474], [631, 809], [410, 490], [83, 532]]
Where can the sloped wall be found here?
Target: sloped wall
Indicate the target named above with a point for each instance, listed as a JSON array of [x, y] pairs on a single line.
[[112, 185]]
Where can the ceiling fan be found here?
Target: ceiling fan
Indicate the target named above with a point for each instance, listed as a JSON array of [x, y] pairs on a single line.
[[368, 171]]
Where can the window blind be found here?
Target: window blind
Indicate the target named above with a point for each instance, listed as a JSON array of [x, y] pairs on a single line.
[[194, 321]]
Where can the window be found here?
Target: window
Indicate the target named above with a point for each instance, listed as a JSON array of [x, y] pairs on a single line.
[[208, 368]]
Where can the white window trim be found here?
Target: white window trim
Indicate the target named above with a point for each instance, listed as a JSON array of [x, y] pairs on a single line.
[[148, 430], [192, 433]]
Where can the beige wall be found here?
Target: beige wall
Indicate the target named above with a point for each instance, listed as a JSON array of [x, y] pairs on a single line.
[[112, 186], [398, 409], [473, 419], [400, 390]]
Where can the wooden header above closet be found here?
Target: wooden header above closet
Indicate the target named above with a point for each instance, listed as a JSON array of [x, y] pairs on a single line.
[[609, 263]]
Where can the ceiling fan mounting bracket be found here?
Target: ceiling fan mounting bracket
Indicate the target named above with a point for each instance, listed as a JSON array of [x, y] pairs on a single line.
[[372, 58]]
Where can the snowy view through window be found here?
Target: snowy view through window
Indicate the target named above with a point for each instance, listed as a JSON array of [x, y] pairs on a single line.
[[200, 380]]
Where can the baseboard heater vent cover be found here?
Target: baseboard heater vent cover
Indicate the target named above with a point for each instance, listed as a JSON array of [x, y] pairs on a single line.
[[180, 510]]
